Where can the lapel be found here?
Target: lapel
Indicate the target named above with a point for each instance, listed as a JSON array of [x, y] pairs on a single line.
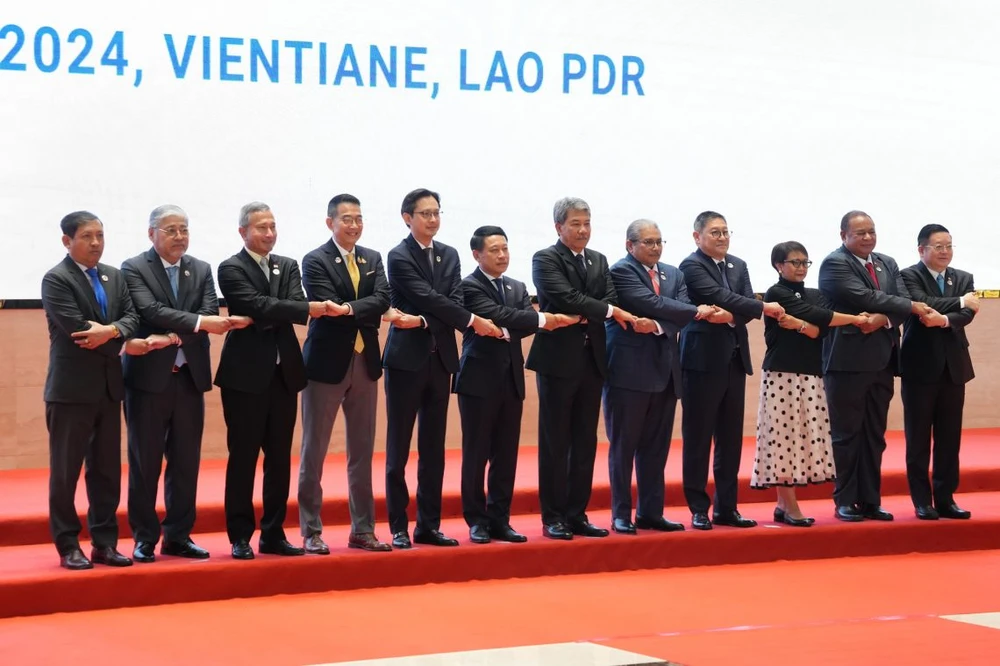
[[713, 269], [83, 282], [420, 257], [160, 275], [859, 268], [573, 266], [644, 275], [930, 284], [184, 282], [488, 284], [253, 270], [274, 272], [366, 262], [336, 265]]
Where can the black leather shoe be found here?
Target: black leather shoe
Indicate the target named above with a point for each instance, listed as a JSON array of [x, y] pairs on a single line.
[[585, 528], [780, 516], [623, 526], [75, 560], [507, 533], [700, 521], [144, 551], [953, 511], [242, 550], [186, 548], [314, 545], [479, 534], [281, 547], [557, 531], [401, 540], [732, 519], [848, 514], [926, 512], [109, 556], [433, 538], [659, 524], [874, 512]]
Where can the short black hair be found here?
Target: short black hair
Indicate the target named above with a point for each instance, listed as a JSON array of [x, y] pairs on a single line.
[[845, 222], [928, 231], [411, 199], [781, 251], [331, 208], [74, 220], [479, 236], [705, 218]]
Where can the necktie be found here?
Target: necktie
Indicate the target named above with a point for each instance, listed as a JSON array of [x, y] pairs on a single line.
[[722, 271], [871, 271], [430, 259], [172, 274], [499, 284], [940, 281], [352, 270], [655, 279], [264, 267], [581, 262], [102, 297]]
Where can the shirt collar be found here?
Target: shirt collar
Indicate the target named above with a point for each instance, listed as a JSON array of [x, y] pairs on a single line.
[[863, 261], [82, 267], [257, 257], [421, 245], [491, 278], [342, 251], [169, 265]]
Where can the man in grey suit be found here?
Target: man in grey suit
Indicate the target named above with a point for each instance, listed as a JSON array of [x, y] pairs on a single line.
[[89, 314], [343, 365], [174, 295]]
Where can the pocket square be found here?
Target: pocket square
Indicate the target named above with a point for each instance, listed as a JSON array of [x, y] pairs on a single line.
[[370, 273]]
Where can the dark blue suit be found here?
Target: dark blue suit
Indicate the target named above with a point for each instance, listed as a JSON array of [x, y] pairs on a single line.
[[643, 384]]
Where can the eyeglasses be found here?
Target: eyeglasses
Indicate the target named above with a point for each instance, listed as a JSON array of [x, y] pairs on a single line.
[[720, 233], [652, 242], [173, 232], [940, 248], [798, 263], [429, 214], [351, 221]]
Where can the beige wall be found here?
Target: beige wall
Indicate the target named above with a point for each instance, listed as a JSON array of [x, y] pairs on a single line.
[[24, 356]]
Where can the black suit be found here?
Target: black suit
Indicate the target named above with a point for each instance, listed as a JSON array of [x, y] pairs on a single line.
[[716, 361], [858, 370], [83, 393], [490, 388], [418, 366], [571, 364], [259, 391], [935, 366], [164, 402]]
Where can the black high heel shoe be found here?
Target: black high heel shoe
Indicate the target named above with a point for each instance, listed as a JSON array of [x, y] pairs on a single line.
[[781, 517]]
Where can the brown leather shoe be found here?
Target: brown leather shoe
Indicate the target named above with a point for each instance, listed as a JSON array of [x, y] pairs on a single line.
[[367, 541], [314, 545]]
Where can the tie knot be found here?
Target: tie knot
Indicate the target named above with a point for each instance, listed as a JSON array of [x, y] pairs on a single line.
[[171, 269], [92, 272]]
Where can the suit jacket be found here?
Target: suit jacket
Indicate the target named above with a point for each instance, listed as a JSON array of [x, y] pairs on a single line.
[[437, 298], [329, 346], [249, 354], [485, 361], [160, 312], [563, 289], [927, 352], [75, 374], [646, 362], [845, 283], [707, 347]]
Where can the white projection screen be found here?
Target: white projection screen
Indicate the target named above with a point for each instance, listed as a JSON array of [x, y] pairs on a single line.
[[781, 114]]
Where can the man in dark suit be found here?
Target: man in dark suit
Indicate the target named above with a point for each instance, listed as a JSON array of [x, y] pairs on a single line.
[[716, 361], [644, 377], [343, 365], [935, 365], [859, 363], [174, 295], [570, 365], [424, 280], [260, 374], [490, 386], [89, 315]]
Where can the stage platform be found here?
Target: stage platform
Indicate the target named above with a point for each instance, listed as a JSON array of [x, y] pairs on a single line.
[[31, 581]]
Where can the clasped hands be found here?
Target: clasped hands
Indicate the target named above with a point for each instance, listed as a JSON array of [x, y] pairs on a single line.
[[328, 309]]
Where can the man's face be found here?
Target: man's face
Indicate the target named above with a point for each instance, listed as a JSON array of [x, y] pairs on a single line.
[[859, 239], [347, 225], [648, 248], [937, 252], [713, 240], [261, 233], [494, 257], [170, 238], [426, 218], [87, 246], [575, 231]]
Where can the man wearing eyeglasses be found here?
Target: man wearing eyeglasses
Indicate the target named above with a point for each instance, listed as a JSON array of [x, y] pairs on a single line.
[[165, 384], [716, 361], [425, 281], [935, 366]]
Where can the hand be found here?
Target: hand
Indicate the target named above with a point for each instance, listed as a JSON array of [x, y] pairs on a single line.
[[789, 323], [920, 309], [137, 347], [704, 312], [554, 321], [720, 316], [337, 309], [95, 336], [402, 320], [622, 317], [237, 322], [644, 325], [391, 315], [972, 301], [933, 319], [860, 319], [160, 340], [485, 327], [215, 324], [317, 309], [773, 310], [874, 323]]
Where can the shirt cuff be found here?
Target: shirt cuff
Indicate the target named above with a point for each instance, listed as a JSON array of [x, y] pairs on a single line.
[[350, 310], [197, 324], [659, 329], [506, 333], [611, 311], [541, 320], [961, 302], [472, 318], [424, 324]]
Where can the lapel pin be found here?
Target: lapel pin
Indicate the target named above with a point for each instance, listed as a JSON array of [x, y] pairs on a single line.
[[728, 265], [948, 282], [337, 260], [104, 278], [276, 271], [508, 287], [362, 260], [187, 273], [878, 268], [662, 276], [438, 258], [589, 262], [798, 295]]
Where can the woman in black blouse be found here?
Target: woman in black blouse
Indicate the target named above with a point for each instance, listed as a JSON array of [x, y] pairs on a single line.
[[793, 425]]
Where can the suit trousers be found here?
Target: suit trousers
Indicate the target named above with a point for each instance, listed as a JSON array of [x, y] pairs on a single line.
[[358, 395], [491, 432], [568, 411], [859, 411], [932, 409], [258, 422], [84, 434], [713, 408], [425, 393], [639, 426], [170, 425]]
